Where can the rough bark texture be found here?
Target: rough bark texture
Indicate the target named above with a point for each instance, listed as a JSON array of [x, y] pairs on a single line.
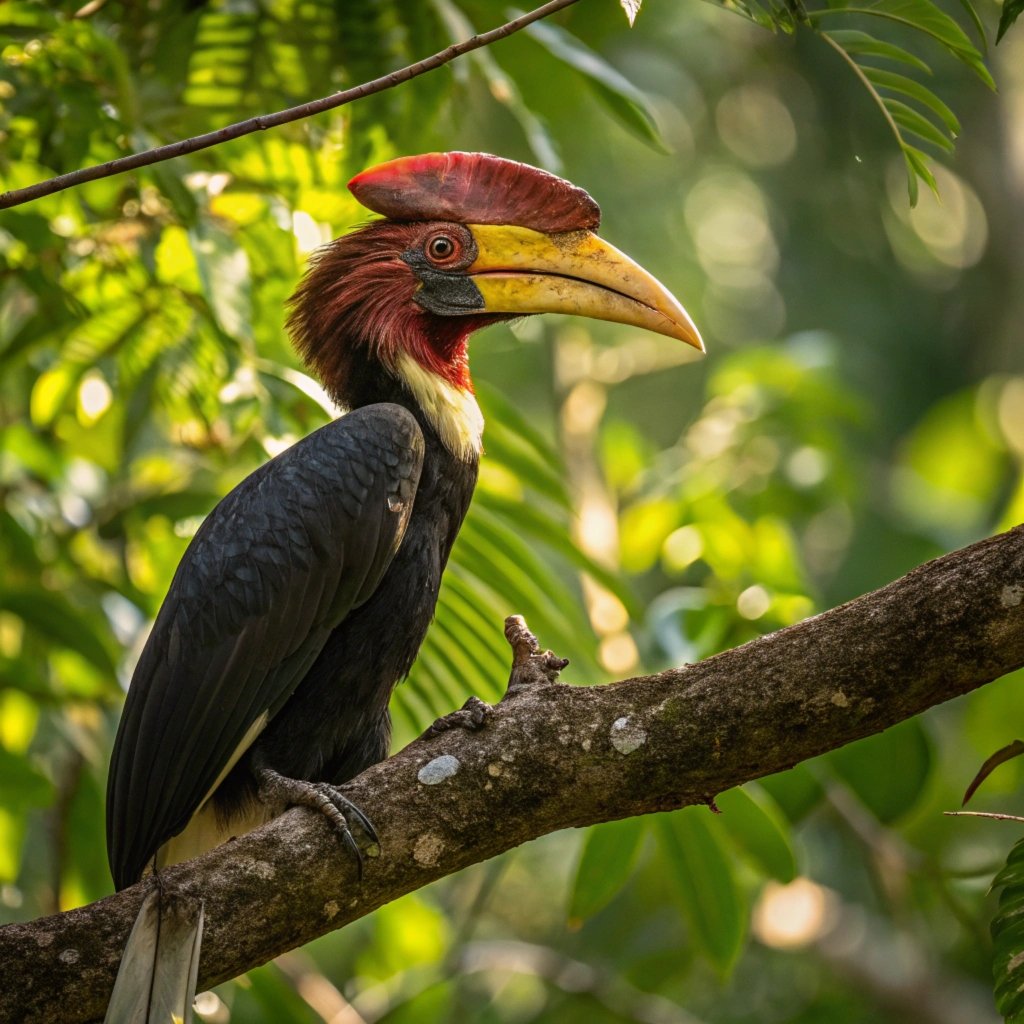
[[554, 756]]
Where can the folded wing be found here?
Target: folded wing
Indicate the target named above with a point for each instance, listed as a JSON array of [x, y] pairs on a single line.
[[276, 566]]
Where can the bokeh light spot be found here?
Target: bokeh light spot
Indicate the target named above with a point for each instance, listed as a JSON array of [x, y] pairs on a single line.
[[755, 124]]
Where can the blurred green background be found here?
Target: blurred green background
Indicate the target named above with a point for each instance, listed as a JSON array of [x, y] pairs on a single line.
[[861, 410]]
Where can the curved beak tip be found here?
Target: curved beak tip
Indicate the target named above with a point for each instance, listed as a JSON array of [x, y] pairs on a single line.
[[688, 333]]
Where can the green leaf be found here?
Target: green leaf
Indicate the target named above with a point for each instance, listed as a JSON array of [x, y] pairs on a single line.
[[796, 791], [606, 863], [1010, 13], [917, 166], [224, 272], [507, 448], [530, 519], [909, 119], [53, 617], [924, 16], [501, 86], [888, 771], [482, 637], [972, 13], [855, 41], [1001, 756], [699, 866], [557, 614], [756, 824], [21, 14], [917, 162], [1008, 937], [24, 785], [620, 96], [900, 83], [496, 405]]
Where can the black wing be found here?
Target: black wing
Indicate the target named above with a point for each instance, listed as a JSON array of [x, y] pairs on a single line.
[[273, 569]]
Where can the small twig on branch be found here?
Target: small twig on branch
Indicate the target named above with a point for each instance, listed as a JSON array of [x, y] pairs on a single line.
[[15, 197], [984, 814], [530, 665]]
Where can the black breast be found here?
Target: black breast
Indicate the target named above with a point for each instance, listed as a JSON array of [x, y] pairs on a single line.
[[336, 723]]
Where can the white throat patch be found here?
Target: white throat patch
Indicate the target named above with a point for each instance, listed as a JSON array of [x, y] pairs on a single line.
[[452, 411]]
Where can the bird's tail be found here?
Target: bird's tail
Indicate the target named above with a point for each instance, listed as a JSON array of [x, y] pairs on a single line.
[[156, 982]]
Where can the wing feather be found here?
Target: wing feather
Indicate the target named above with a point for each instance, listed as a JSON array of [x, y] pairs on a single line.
[[273, 570]]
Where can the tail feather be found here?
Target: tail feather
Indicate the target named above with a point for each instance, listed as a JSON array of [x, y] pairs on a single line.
[[156, 982]]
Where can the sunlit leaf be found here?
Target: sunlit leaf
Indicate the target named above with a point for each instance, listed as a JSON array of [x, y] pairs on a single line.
[[950, 466], [632, 9], [24, 787], [21, 14], [56, 619], [542, 527], [224, 272]]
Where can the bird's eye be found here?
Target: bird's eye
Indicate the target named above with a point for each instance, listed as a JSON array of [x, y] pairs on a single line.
[[441, 249]]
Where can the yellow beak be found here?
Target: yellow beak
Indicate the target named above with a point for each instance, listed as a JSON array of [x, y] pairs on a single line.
[[519, 270]]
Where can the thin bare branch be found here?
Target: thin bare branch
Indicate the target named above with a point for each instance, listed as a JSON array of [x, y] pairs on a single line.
[[984, 814], [17, 196]]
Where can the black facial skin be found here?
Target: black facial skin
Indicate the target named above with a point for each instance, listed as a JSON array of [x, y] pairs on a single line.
[[446, 289]]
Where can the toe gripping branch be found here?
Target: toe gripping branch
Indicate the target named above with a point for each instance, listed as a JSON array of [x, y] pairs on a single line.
[[530, 667], [318, 796]]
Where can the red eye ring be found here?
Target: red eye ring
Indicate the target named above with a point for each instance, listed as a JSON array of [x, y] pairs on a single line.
[[442, 248]]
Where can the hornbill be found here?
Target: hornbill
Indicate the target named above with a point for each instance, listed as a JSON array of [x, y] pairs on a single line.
[[306, 593]]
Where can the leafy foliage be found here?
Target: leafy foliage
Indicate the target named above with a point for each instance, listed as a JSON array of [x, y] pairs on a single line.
[[638, 513], [930, 121], [1010, 13], [1008, 937]]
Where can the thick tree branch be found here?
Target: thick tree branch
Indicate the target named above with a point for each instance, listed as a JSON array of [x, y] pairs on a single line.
[[15, 197], [555, 756]]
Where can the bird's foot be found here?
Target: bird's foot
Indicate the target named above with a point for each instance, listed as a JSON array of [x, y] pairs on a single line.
[[530, 666], [278, 789]]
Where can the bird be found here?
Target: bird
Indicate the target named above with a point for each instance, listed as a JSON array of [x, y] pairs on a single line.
[[303, 598]]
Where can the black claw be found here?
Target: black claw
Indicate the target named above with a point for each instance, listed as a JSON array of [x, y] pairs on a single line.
[[346, 807], [327, 800], [353, 848], [364, 822]]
